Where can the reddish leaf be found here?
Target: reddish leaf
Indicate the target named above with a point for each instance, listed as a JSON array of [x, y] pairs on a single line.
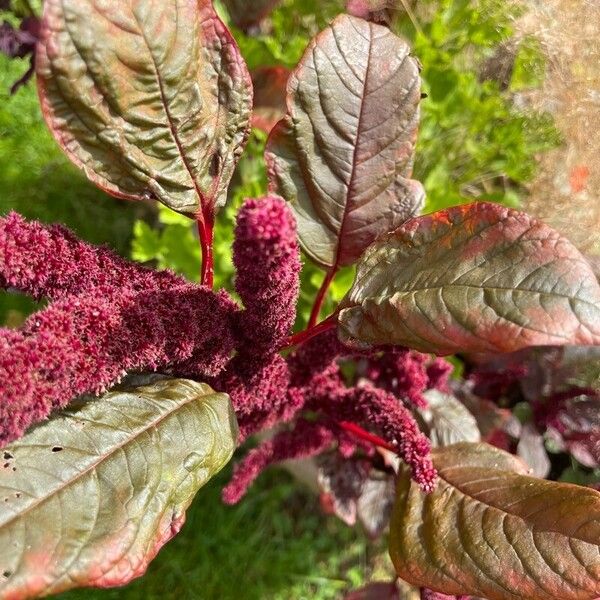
[[151, 98], [448, 420], [353, 490], [269, 96], [343, 155], [91, 496], [376, 10], [576, 428], [476, 278], [491, 530], [380, 590]]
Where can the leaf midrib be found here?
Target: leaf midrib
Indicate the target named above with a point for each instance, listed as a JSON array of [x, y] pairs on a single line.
[[456, 487], [170, 121], [344, 220], [94, 465], [477, 287]]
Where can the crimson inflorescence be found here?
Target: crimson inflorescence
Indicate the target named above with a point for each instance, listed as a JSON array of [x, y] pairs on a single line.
[[107, 317]]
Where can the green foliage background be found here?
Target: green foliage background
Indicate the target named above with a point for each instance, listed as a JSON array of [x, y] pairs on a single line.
[[474, 144]]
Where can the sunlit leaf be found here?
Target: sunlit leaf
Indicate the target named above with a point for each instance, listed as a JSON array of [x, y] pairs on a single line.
[[475, 278], [151, 98], [343, 155], [491, 530], [89, 497]]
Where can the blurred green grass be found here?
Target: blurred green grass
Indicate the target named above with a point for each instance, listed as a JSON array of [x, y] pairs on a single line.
[[39, 182]]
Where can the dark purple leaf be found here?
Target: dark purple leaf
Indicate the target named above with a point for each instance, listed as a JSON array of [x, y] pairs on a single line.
[[576, 429]]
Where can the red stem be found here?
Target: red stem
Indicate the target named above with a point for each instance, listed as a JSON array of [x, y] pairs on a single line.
[[307, 334], [361, 434], [205, 233], [316, 309]]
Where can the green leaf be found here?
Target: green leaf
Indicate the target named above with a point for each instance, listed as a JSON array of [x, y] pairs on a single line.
[[448, 420], [491, 530], [89, 497], [151, 98], [343, 155], [476, 278]]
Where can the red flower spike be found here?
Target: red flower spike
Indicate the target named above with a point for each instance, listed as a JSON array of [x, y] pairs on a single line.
[[305, 440], [49, 261], [267, 258]]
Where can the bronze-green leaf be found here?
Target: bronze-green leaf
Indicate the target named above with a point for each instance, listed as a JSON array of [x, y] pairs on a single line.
[[475, 278], [448, 420], [151, 98], [492, 531], [343, 155], [90, 497]]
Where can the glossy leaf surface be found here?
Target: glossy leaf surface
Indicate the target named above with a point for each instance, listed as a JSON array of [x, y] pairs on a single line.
[[475, 278], [89, 497], [343, 155], [448, 420], [151, 98], [491, 530]]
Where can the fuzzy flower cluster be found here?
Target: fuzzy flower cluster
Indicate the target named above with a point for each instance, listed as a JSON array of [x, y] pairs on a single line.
[[407, 374], [107, 317], [267, 261]]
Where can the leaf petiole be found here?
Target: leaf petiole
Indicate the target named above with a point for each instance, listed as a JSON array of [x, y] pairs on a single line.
[[311, 332], [320, 297], [205, 233]]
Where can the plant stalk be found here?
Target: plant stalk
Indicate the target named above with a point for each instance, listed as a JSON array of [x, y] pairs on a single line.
[[364, 435], [303, 336], [205, 233], [319, 299]]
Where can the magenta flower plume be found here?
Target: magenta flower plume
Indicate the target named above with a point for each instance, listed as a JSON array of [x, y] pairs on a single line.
[[305, 440], [259, 393], [375, 407], [49, 261], [408, 374], [267, 258], [85, 344]]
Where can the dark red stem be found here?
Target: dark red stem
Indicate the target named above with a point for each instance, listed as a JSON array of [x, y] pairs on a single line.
[[307, 334], [316, 309], [205, 233], [361, 434]]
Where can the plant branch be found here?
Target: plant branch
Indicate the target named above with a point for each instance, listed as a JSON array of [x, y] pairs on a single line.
[[319, 299], [205, 233], [311, 332], [364, 435]]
